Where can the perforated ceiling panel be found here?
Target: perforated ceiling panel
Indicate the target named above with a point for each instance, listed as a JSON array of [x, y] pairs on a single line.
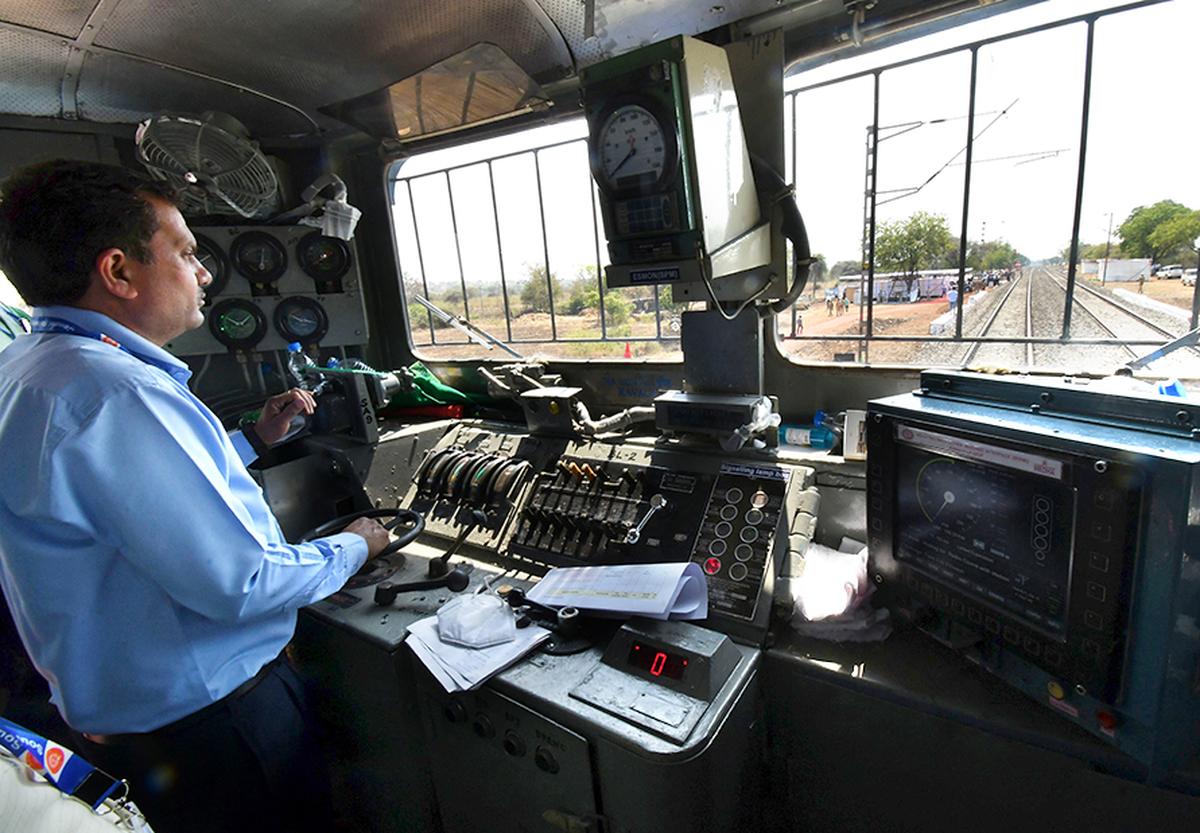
[[322, 52], [115, 89], [62, 17], [31, 68]]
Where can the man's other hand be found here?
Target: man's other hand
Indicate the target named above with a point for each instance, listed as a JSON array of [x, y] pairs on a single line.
[[373, 532], [277, 413]]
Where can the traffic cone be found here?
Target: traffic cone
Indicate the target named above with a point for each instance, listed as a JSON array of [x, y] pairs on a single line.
[[628, 351]]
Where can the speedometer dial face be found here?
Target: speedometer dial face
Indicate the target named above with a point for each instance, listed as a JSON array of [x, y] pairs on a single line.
[[632, 149]]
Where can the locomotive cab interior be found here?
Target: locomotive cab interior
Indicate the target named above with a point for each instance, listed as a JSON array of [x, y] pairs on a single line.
[[948, 568]]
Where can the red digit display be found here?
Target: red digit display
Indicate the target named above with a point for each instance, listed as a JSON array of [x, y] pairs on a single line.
[[658, 663]]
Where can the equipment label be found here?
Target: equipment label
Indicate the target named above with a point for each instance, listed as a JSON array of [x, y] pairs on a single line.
[[654, 275], [981, 452], [761, 472]]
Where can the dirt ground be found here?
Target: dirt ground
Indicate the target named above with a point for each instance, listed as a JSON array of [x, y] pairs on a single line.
[[1169, 291]]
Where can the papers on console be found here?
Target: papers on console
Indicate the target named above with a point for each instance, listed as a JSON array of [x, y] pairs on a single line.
[[459, 668], [657, 591]]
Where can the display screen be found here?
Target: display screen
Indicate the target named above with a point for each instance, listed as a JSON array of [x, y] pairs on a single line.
[[656, 662], [994, 522]]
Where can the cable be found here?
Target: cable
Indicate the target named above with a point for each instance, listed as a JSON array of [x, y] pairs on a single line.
[[713, 295]]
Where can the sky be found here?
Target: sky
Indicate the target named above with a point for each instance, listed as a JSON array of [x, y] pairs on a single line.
[[1026, 154]]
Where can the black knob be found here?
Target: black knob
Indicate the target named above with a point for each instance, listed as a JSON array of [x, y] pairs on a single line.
[[545, 760], [455, 711], [513, 744], [483, 726]]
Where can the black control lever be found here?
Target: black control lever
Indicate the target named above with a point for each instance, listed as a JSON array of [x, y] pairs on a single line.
[[456, 581], [564, 621], [439, 565]]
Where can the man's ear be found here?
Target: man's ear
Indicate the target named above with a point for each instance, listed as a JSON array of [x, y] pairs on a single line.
[[113, 269]]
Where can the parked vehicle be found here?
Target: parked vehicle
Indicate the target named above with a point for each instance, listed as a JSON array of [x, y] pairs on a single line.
[[1175, 270], [1189, 276]]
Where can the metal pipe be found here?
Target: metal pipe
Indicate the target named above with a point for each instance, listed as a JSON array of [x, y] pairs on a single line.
[[962, 243], [1083, 139]]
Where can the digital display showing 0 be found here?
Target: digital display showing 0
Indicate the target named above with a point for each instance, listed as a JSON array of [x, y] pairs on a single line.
[[656, 662]]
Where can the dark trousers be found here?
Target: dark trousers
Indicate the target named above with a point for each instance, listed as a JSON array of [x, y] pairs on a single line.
[[248, 762]]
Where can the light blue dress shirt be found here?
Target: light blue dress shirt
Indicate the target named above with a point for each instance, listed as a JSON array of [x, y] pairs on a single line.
[[145, 571]]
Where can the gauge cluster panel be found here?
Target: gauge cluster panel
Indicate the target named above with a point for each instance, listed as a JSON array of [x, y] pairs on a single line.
[[275, 285]]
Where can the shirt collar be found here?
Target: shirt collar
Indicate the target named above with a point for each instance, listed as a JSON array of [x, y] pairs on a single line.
[[136, 344]]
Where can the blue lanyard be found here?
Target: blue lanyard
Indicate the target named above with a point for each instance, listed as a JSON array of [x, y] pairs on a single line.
[[61, 326]]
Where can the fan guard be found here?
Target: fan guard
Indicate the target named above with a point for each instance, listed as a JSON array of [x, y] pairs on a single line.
[[211, 161]]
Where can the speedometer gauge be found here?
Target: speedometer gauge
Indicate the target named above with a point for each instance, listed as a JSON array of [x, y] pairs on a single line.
[[633, 151]]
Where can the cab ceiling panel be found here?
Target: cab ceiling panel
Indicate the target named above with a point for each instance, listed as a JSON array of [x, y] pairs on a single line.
[[116, 89], [126, 59], [64, 17], [31, 67]]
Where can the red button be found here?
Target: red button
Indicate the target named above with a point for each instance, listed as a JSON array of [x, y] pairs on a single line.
[[1107, 721], [712, 566]]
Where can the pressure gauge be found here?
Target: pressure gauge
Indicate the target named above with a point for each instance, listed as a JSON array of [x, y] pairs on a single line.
[[323, 258], [213, 259], [259, 257], [237, 323], [634, 150], [301, 319]]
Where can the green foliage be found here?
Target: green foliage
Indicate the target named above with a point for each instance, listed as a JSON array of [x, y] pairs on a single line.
[[1177, 235], [846, 267], [1139, 227], [923, 241], [535, 294], [616, 309], [986, 255]]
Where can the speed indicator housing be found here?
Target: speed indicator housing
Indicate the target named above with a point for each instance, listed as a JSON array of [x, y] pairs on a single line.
[[670, 159]]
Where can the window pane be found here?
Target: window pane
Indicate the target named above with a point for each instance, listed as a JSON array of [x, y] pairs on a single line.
[[919, 197], [832, 126]]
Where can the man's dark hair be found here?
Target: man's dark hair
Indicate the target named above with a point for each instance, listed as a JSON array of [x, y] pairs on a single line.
[[56, 217]]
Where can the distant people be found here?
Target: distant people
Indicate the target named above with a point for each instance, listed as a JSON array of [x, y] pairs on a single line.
[[1141, 283], [829, 305], [952, 297]]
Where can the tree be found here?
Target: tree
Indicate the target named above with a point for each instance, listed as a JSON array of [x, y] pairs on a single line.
[[1177, 235], [846, 267], [987, 255], [923, 241], [1140, 225], [535, 294]]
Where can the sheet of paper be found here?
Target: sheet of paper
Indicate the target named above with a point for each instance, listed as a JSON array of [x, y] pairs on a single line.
[[457, 667], [677, 590]]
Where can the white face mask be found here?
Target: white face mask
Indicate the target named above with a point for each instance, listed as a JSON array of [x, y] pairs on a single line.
[[478, 621]]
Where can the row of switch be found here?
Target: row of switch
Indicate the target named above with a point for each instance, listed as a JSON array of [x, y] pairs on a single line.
[[512, 742]]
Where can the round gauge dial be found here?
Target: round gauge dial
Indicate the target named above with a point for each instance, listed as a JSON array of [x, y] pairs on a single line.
[[323, 258], [301, 319], [633, 150], [213, 259], [237, 323], [259, 257]]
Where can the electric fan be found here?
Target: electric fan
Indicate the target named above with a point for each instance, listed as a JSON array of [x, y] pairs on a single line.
[[211, 161]]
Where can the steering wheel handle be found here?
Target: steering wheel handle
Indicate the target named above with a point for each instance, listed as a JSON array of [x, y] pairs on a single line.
[[399, 516]]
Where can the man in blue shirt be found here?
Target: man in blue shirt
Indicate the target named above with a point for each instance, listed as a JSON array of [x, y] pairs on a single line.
[[148, 578]]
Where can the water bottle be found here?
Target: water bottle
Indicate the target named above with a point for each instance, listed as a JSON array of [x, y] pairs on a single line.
[[815, 435], [298, 363]]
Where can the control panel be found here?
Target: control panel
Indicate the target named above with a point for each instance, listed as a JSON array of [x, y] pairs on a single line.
[[500, 494], [272, 285]]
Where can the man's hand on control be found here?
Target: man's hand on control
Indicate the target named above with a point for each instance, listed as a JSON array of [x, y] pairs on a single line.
[[376, 536], [278, 411]]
